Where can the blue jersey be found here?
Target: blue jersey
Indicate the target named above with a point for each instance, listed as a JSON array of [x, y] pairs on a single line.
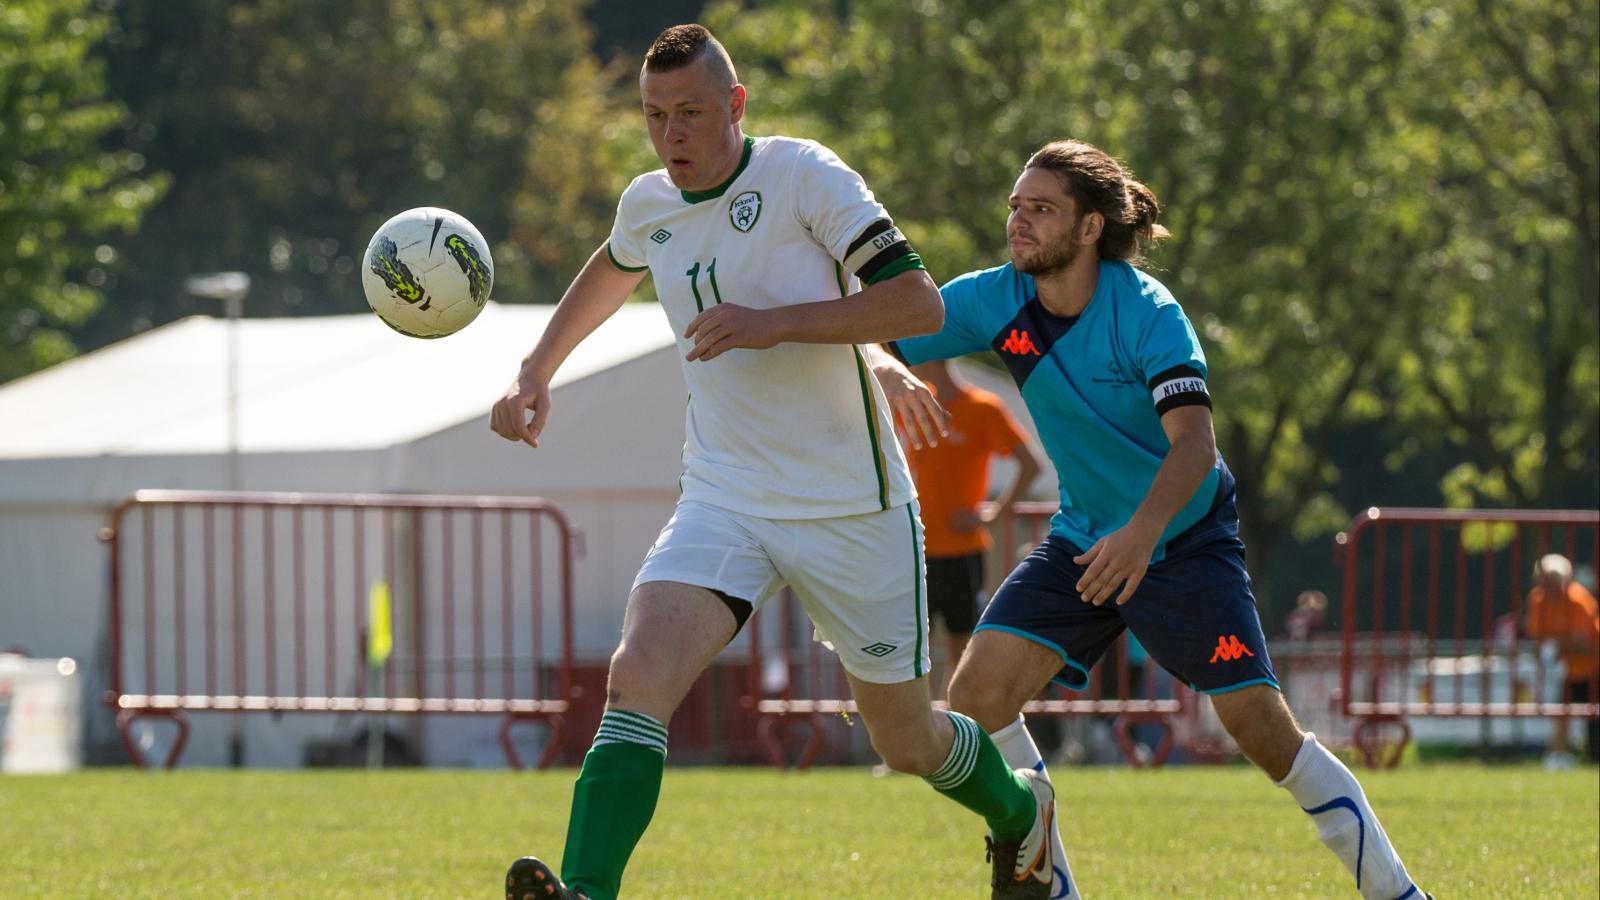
[[1096, 385]]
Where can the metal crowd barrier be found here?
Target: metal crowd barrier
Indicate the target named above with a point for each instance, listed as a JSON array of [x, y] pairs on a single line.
[[259, 603], [1433, 620]]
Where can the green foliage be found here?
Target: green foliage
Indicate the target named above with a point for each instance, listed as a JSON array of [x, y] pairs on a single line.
[[298, 127], [1504, 359], [61, 195], [1360, 196], [1386, 215]]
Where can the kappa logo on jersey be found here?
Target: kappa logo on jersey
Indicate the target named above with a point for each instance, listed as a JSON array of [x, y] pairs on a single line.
[[745, 210], [1229, 649], [878, 649], [1020, 343], [661, 235]]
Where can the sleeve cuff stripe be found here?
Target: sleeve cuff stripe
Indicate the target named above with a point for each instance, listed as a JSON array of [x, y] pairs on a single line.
[[904, 263], [618, 263]]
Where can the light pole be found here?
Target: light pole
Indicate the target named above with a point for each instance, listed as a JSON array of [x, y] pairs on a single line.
[[231, 288]]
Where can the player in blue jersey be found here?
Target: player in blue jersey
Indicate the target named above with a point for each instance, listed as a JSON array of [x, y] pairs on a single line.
[[1147, 536]]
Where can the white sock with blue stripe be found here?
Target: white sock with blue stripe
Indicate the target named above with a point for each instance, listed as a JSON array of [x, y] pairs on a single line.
[[1330, 794], [1016, 746]]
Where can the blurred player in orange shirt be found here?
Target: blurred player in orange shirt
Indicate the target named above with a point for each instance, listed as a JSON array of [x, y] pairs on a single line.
[[952, 480], [1563, 612]]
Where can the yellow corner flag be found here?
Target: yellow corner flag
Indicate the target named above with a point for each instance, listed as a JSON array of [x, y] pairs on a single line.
[[380, 638]]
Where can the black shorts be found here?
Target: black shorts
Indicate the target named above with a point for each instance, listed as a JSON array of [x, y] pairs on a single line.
[[1193, 612], [953, 586]]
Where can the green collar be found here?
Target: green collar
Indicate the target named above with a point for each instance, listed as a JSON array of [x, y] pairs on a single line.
[[719, 190]]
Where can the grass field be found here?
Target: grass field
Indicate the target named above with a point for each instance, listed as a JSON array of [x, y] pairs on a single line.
[[1466, 831]]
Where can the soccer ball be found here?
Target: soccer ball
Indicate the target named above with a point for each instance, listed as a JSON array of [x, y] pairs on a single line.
[[427, 272]]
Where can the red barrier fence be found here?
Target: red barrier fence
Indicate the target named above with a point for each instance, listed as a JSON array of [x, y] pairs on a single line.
[[1434, 616], [794, 682], [258, 602]]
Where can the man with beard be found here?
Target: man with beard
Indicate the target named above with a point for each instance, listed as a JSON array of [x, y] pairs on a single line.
[[1115, 379]]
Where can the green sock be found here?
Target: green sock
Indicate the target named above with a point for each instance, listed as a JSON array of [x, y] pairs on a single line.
[[613, 801], [977, 777]]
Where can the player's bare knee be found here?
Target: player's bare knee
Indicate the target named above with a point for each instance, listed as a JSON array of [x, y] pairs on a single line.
[[635, 682], [988, 703]]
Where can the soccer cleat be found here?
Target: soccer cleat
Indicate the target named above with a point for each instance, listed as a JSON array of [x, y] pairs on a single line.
[[530, 879], [1022, 869]]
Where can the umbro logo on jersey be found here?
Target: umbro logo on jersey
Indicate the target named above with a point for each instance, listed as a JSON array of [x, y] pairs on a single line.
[[1229, 649], [661, 235], [745, 210], [878, 649], [1020, 343]]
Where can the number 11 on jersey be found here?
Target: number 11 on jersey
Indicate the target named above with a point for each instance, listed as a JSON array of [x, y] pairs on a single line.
[[694, 284]]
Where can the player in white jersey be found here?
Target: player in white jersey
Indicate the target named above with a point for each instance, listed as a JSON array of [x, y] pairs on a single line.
[[791, 475]]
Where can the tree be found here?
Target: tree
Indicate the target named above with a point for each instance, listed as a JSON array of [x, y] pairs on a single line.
[[295, 127], [1267, 129], [62, 197], [1505, 357]]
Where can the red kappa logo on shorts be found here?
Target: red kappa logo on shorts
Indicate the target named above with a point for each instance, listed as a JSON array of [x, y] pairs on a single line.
[[1229, 649]]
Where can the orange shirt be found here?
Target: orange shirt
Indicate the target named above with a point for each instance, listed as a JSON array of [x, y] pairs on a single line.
[[1575, 616], [955, 475]]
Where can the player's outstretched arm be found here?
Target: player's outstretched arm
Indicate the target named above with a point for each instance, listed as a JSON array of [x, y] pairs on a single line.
[[593, 297], [919, 414], [904, 305]]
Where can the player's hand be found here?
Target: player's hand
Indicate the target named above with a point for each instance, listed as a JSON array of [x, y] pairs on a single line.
[[509, 417], [728, 326], [1117, 560], [921, 418]]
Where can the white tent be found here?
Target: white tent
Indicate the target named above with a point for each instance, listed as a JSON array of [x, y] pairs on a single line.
[[338, 404]]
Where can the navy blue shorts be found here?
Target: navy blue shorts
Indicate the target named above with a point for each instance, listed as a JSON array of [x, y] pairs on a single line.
[[1193, 612]]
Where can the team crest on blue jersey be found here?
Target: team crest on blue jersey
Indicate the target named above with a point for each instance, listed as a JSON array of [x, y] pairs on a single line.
[[745, 210]]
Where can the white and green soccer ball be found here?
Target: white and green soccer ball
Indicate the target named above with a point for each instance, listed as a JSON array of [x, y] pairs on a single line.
[[427, 272]]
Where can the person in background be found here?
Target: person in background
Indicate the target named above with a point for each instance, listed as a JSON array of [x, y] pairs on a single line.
[[952, 478], [1562, 612], [1306, 619]]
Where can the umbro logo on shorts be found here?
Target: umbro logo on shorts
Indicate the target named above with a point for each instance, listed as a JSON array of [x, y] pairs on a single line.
[[661, 235], [878, 649]]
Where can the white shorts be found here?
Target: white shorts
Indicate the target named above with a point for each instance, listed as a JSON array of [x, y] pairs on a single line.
[[859, 578]]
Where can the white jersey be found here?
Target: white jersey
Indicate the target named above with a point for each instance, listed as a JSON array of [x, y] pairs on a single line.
[[796, 431]]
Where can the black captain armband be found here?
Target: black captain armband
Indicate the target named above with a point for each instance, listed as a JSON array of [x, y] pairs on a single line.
[[1179, 386], [880, 252]]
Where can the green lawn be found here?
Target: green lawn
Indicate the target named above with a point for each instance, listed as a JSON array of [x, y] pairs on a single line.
[[1465, 831]]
